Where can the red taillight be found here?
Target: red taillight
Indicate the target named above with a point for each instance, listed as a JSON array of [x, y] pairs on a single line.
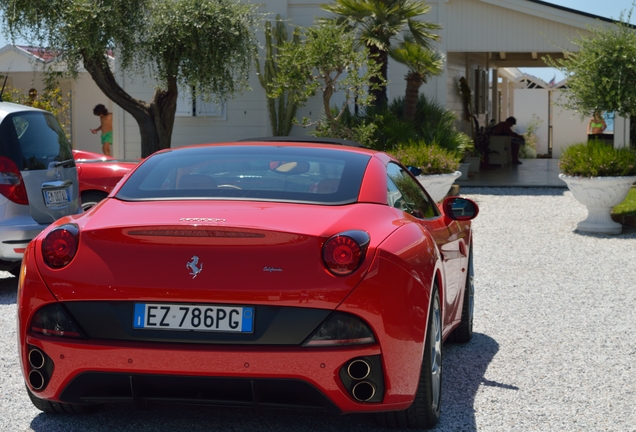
[[11, 184], [344, 252], [60, 245]]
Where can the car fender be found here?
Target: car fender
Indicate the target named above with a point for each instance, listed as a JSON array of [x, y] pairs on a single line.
[[394, 298], [32, 294]]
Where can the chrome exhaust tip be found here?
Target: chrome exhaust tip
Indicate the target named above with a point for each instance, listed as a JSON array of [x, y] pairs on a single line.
[[36, 359], [36, 380], [358, 369], [363, 391]]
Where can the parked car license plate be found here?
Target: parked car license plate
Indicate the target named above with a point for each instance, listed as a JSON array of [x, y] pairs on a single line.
[[56, 197], [197, 317]]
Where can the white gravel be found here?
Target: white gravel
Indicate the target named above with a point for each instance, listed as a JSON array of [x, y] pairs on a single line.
[[554, 346]]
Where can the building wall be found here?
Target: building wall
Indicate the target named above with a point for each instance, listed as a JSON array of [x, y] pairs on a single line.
[[84, 96], [478, 25], [532, 105], [568, 128]]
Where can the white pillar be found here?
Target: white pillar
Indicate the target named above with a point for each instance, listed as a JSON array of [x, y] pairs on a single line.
[[621, 132], [504, 98], [495, 95]]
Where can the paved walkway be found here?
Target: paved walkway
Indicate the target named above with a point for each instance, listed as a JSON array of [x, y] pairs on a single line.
[[533, 173]]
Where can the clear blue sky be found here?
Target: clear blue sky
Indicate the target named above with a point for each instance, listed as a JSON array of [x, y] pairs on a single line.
[[605, 8]]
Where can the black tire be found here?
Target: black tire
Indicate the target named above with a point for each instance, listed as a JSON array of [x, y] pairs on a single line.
[[15, 271], [425, 410], [62, 408], [464, 332], [12, 267], [91, 198]]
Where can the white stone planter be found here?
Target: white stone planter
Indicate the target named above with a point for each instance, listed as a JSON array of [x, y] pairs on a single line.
[[463, 168], [474, 163], [599, 195], [438, 185]]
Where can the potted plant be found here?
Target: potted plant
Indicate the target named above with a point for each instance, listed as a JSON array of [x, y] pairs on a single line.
[[437, 167], [599, 177]]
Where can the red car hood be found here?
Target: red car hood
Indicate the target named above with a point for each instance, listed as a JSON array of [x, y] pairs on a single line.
[[248, 252]]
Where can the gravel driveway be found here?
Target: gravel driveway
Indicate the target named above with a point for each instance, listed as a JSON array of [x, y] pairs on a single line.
[[554, 346]]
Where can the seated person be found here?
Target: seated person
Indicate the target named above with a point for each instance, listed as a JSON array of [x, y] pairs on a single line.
[[504, 128]]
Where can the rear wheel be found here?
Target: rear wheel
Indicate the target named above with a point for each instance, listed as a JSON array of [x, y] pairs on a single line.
[[60, 407], [12, 267], [15, 271], [425, 410], [464, 332], [90, 199]]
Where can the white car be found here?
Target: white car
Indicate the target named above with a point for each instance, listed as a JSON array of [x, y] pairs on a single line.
[[38, 179]]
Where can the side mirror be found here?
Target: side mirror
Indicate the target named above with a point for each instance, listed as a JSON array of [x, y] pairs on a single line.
[[414, 170], [461, 209]]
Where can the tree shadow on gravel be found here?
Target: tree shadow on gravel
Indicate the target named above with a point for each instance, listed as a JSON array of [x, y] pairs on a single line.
[[8, 290], [464, 369]]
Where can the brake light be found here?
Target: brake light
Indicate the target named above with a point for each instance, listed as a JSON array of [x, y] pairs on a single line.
[[11, 183], [60, 246], [344, 252]]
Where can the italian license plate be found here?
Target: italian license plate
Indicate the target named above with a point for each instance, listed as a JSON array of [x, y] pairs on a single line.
[[56, 197], [197, 317]]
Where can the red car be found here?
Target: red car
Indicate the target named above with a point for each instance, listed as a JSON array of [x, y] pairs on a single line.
[[98, 175], [280, 274]]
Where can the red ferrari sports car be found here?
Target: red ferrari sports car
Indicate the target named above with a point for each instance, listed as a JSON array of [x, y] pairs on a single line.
[[98, 175], [303, 275]]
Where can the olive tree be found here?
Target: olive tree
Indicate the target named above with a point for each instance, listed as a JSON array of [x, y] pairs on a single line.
[[208, 45], [326, 60], [602, 74]]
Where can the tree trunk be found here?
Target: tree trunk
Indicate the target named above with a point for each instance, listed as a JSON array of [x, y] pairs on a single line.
[[381, 57], [413, 84], [155, 120]]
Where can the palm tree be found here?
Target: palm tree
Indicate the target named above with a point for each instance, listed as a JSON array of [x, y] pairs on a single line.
[[422, 63], [381, 21]]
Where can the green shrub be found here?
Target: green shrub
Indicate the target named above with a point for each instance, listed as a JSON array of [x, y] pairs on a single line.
[[628, 206], [434, 124], [431, 159], [361, 132], [596, 159]]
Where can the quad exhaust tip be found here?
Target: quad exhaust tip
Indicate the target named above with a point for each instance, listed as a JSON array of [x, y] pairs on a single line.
[[36, 359], [363, 391], [359, 369], [36, 379]]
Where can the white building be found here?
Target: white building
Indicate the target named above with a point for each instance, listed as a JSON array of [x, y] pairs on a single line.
[[24, 68], [479, 38]]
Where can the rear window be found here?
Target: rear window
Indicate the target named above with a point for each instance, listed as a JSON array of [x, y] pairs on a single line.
[[276, 173], [33, 139]]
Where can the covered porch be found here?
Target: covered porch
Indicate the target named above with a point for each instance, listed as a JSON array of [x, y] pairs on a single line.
[[483, 39]]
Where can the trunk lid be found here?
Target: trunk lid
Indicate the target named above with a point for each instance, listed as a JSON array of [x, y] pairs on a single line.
[[214, 252]]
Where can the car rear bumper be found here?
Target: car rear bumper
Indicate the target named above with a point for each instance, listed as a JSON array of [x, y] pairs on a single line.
[[15, 235], [300, 378]]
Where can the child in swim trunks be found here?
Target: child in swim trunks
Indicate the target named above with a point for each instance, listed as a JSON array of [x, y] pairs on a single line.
[[106, 126]]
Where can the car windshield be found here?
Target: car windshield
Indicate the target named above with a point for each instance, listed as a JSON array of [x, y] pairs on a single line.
[[243, 172], [33, 139]]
